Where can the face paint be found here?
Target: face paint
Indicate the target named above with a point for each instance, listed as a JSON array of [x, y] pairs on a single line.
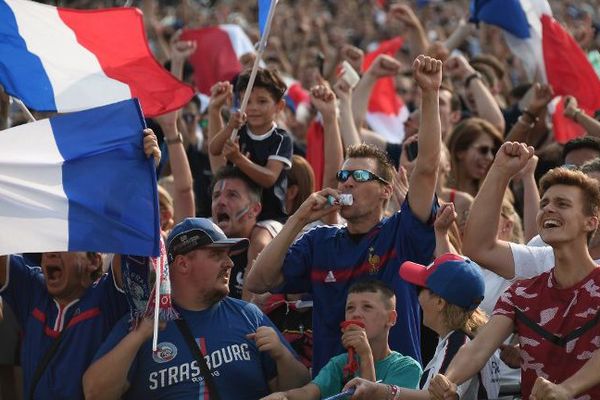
[[241, 213]]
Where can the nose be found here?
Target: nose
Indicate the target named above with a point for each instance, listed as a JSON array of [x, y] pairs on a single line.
[[228, 262], [350, 182]]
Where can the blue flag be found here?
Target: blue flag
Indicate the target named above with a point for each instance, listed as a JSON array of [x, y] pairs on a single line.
[[79, 182], [506, 14], [263, 12]]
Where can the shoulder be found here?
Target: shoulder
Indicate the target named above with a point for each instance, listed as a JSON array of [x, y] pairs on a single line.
[[282, 133], [243, 307], [323, 232], [404, 362]]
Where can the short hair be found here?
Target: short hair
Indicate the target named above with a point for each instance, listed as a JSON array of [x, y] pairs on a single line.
[[584, 142], [265, 78], [385, 168], [231, 172], [591, 166], [376, 286], [302, 175], [589, 187], [491, 62], [455, 103]]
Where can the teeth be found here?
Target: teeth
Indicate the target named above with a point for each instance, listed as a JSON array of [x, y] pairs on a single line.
[[551, 223]]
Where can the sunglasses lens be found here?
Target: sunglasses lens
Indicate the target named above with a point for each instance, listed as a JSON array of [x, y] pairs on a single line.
[[360, 175], [343, 175]]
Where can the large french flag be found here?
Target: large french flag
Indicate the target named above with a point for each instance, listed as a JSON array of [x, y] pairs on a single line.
[[218, 49], [79, 182], [57, 59], [548, 51], [386, 111]]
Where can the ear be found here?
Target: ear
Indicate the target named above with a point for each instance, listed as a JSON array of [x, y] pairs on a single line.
[[280, 105], [591, 224], [455, 117], [387, 191], [292, 192], [255, 209], [392, 318], [440, 303]]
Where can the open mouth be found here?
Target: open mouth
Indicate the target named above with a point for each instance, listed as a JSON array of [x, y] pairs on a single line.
[[551, 223], [53, 274], [222, 218]]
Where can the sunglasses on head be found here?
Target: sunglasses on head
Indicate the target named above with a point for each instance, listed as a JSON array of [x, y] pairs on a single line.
[[484, 150], [359, 175]]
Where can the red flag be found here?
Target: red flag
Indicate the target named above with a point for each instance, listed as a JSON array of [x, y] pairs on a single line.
[[386, 111], [217, 55], [570, 73], [314, 151]]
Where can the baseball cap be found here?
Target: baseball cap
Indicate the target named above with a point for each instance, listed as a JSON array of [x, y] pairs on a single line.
[[455, 279], [194, 233]]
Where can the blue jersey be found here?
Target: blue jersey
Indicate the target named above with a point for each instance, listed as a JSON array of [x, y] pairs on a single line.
[[84, 323], [239, 370], [326, 261]]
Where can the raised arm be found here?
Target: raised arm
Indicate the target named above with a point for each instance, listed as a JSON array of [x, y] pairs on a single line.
[[267, 272], [534, 102], [106, 378], [580, 117], [383, 66], [348, 130], [483, 105], [428, 74], [471, 357], [480, 240], [414, 29], [531, 198], [324, 100], [221, 94]]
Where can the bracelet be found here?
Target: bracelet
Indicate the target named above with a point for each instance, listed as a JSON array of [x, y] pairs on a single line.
[[522, 121], [175, 140], [393, 392], [531, 115], [474, 75]]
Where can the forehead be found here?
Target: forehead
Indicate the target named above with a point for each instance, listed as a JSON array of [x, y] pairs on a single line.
[[364, 296], [230, 184], [360, 163], [260, 92], [568, 192], [483, 139]]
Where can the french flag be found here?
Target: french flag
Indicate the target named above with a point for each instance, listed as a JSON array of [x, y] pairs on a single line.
[[218, 49], [79, 182], [549, 53], [386, 111], [57, 59]]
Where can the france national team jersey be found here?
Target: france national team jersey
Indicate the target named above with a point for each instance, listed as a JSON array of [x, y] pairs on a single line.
[[85, 324], [326, 261], [239, 370]]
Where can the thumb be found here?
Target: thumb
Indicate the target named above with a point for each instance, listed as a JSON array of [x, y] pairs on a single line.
[[251, 336]]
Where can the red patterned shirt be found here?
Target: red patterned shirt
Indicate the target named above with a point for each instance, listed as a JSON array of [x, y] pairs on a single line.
[[558, 329]]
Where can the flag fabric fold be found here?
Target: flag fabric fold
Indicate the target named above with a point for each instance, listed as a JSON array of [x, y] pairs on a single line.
[[548, 52], [218, 49], [386, 111], [79, 182], [58, 59]]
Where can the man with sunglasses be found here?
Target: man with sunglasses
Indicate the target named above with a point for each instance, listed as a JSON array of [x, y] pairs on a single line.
[[327, 260]]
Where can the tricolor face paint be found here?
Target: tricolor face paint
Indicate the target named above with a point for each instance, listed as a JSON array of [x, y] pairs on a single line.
[[230, 203]]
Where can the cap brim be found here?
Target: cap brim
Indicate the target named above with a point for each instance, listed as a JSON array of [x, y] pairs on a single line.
[[414, 273], [234, 244]]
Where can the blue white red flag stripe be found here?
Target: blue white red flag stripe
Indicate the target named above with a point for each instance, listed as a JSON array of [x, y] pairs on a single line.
[[57, 59], [79, 182]]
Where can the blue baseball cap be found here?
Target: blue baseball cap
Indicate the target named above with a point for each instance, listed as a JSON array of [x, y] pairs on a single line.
[[194, 233], [455, 279]]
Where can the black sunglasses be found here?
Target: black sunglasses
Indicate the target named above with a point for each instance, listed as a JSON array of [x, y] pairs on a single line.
[[359, 175]]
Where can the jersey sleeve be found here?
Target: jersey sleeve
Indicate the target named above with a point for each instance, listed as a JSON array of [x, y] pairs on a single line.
[[281, 150], [406, 373], [23, 285], [531, 261], [329, 380], [417, 240], [297, 266], [119, 331]]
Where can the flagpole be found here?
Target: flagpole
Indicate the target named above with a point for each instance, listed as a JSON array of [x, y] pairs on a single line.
[[262, 45], [24, 109], [156, 309]]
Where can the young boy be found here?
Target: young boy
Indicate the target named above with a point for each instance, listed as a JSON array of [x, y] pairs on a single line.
[[372, 304], [555, 314], [261, 150]]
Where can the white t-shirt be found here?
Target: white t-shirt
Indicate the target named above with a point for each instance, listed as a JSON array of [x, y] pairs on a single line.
[[531, 261]]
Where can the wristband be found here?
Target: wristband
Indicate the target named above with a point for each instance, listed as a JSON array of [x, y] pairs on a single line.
[[528, 124], [393, 392], [175, 140], [474, 75], [531, 115]]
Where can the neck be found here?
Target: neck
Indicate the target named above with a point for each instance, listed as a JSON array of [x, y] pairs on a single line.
[[261, 130], [572, 263], [467, 184], [364, 223], [379, 348], [191, 301]]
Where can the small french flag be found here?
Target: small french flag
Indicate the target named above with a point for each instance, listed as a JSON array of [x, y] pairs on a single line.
[[79, 182], [57, 59]]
